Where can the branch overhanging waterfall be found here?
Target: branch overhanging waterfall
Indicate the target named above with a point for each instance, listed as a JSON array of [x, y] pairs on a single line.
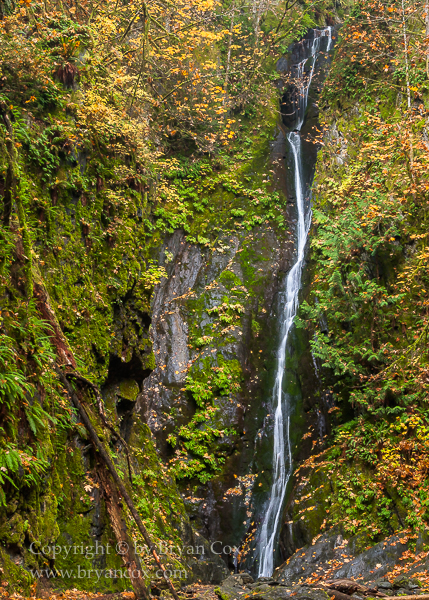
[[282, 469]]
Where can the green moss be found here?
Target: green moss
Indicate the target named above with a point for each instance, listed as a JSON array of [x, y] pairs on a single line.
[[96, 222], [229, 279], [87, 556], [221, 594], [128, 389], [13, 530], [197, 451], [149, 362], [18, 578]]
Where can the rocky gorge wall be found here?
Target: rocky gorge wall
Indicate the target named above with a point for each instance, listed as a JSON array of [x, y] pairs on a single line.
[[161, 288], [96, 276], [219, 307]]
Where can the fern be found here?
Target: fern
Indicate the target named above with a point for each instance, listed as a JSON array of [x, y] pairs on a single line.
[[31, 422], [36, 416], [13, 460], [13, 384]]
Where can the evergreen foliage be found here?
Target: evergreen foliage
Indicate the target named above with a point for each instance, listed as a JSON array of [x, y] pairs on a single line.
[[368, 304]]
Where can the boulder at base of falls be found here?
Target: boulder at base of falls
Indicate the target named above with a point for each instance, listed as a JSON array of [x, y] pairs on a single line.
[[330, 557], [242, 586]]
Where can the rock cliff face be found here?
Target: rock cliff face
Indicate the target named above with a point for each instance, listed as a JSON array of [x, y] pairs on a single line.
[[253, 264], [211, 325], [250, 269]]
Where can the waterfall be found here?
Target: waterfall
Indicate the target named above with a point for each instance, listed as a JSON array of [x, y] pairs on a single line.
[[282, 455]]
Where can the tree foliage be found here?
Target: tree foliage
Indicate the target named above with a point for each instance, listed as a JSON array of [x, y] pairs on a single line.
[[369, 298]]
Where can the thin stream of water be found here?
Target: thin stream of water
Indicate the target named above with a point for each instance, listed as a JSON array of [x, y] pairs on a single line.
[[282, 455]]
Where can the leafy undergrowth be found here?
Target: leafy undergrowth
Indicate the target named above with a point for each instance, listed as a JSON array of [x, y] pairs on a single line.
[[216, 378], [220, 203], [195, 591], [69, 595]]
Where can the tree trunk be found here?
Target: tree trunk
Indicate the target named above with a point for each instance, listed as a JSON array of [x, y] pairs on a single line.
[[125, 546], [118, 481], [66, 358], [56, 335], [228, 56]]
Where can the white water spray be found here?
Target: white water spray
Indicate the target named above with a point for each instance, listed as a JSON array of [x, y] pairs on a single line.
[[282, 455]]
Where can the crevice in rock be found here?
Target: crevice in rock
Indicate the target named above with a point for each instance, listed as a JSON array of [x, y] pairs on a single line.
[[132, 369]]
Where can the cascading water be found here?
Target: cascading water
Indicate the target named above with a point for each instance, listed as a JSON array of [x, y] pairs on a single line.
[[282, 455]]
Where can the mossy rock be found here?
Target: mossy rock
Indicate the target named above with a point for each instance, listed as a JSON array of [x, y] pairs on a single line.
[[18, 578]]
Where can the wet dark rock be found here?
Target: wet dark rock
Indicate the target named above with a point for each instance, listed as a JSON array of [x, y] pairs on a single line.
[[401, 582], [261, 587], [414, 584], [333, 555], [289, 67], [377, 561], [383, 584], [205, 566], [210, 569], [234, 588], [164, 403], [308, 561], [308, 593], [347, 586]]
